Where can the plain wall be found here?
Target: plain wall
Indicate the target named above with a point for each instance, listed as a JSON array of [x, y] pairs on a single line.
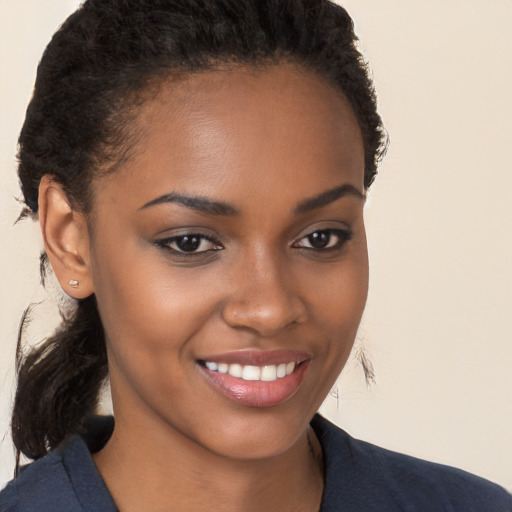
[[437, 325]]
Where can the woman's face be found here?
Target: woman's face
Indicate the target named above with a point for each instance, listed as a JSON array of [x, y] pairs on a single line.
[[229, 258]]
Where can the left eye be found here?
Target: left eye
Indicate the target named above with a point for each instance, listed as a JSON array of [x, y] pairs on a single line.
[[323, 239], [190, 243]]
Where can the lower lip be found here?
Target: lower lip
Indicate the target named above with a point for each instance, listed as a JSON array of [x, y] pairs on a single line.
[[257, 393]]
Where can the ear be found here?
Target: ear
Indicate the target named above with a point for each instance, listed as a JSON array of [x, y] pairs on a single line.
[[66, 239]]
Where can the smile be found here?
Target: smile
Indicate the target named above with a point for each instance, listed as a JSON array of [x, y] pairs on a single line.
[[268, 373], [254, 378]]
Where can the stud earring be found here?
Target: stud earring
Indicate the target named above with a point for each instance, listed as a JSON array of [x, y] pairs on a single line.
[[73, 283]]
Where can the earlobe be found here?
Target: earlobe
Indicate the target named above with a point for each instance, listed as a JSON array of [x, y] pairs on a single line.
[[66, 239]]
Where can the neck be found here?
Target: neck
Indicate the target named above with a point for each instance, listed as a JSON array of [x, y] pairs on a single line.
[[156, 468]]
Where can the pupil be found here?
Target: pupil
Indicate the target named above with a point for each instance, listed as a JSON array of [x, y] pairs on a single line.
[[188, 243], [319, 239]]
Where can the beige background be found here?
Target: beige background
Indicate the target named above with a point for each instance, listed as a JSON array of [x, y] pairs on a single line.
[[438, 323]]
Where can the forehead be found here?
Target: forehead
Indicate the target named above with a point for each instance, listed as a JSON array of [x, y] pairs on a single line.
[[241, 131]]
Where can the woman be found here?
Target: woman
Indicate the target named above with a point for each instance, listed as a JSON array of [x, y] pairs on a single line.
[[199, 171]]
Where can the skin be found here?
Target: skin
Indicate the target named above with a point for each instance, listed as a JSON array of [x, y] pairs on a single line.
[[262, 141]]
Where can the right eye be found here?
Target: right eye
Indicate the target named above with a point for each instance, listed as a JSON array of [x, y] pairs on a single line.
[[190, 243]]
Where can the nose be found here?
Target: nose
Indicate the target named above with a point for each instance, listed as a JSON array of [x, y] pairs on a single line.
[[264, 299]]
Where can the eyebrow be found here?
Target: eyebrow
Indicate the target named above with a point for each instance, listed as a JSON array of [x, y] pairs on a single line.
[[201, 204], [211, 207], [328, 197]]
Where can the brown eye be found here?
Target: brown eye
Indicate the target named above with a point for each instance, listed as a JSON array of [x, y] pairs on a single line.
[[319, 239], [190, 243], [324, 239]]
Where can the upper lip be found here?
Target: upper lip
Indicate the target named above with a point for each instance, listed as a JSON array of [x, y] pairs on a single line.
[[258, 357]]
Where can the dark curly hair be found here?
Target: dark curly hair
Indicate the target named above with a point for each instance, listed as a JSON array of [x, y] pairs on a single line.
[[94, 73]]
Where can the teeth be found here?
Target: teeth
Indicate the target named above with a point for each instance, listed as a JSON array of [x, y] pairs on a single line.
[[267, 373], [281, 371], [235, 370], [251, 373]]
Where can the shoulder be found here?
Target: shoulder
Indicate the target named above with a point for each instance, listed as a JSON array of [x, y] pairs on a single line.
[[65, 479], [373, 478], [41, 486]]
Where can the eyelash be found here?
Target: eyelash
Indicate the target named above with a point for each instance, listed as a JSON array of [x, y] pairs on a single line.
[[167, 243], [343, 236]]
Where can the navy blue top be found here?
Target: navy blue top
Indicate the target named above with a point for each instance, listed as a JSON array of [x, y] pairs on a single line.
[[359, 477]]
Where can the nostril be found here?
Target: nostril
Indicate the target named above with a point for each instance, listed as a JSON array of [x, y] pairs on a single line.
[[266, 315]]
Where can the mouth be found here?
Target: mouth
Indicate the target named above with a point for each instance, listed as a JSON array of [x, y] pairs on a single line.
[[256, 379], [268, 373]]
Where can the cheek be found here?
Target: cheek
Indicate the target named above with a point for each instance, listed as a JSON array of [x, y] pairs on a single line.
[[345, 290], [341, 307], [151, 314], [149, 307]]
